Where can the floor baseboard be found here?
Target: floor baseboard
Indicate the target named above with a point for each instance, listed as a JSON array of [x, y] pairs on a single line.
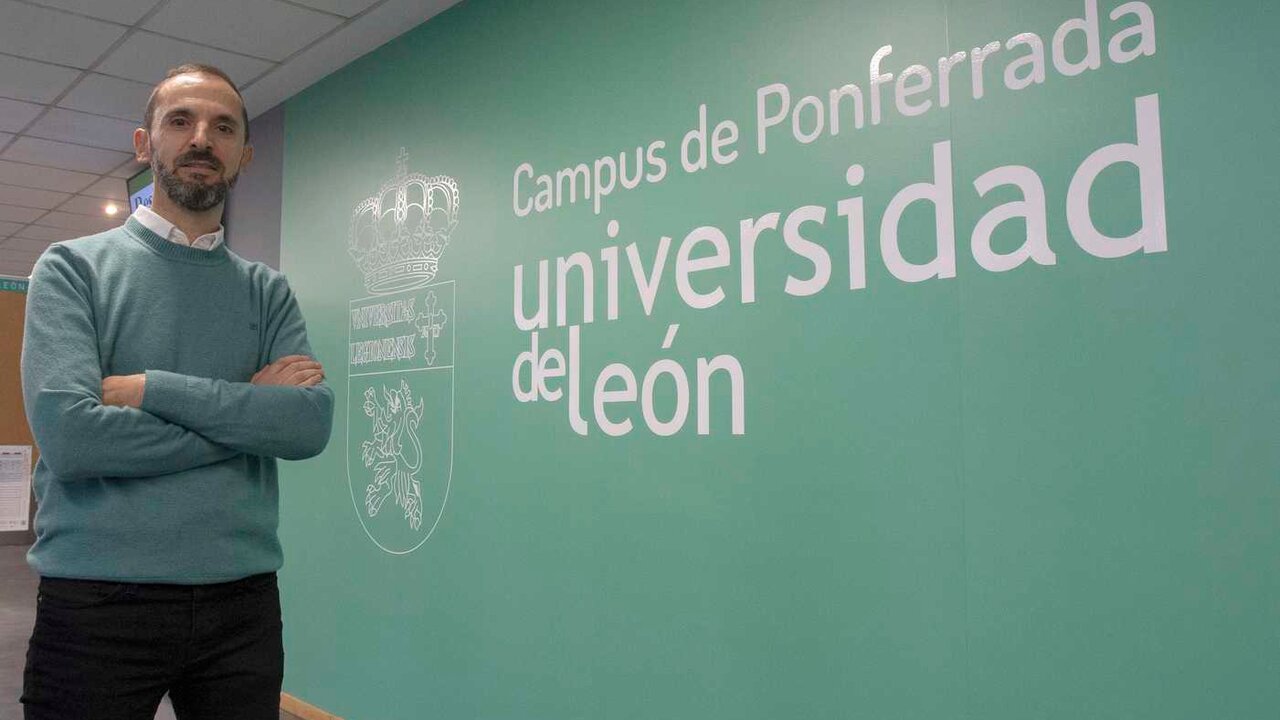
[[304, 710]]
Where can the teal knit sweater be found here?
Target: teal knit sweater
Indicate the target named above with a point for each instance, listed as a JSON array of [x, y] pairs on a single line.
[[184, 489]]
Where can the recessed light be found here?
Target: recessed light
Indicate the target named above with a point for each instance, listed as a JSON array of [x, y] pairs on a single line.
[[111, 209]]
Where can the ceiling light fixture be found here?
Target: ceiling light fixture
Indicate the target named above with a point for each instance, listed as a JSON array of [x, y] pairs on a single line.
[[111, 209]]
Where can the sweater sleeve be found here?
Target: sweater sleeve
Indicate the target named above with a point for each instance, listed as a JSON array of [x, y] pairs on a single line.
[[78, 436], [292, 423]]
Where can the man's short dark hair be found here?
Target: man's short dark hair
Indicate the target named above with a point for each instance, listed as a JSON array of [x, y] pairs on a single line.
[[196, 69]]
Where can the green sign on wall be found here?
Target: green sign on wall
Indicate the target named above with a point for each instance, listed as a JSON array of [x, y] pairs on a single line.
[[813, 359]]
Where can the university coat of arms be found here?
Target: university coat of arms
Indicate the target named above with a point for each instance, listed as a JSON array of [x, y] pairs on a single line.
[[400, 371]]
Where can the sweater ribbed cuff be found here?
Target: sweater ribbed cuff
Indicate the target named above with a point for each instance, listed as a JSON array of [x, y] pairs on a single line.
[[166, 395]]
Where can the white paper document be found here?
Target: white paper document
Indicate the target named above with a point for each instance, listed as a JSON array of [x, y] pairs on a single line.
[[15, 486]]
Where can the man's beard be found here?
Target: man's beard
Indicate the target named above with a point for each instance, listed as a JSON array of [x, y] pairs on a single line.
[[192, 195]]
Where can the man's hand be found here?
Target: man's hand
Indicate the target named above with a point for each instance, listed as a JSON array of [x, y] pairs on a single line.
[[123, 390], [296, 370]]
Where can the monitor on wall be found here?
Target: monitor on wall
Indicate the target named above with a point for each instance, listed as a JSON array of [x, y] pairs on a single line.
[[140, 188]]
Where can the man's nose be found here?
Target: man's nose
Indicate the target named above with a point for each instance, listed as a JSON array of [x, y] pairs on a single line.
[[200, 136]]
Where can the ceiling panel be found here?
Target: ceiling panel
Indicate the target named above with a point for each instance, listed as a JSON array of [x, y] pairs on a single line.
[[27, 28], [85, 129], [146, 57], [66, 163], [104, 95], [28, 246], [61, 155], [262, 28], [130, 168], [11, 255], [20, 214], [47, 199], [16, 115], [14, 266], [86, 224], [108, 188], [43, 178], [381, 25], [86, 205], [345, 8], [46, 234], [127, 12], [15, 270], [18, 270], [30, 80]]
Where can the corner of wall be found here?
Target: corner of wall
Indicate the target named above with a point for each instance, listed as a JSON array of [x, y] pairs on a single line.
[[253, 208]]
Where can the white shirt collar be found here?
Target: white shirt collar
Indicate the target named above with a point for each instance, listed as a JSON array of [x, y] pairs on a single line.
[[167, 230]]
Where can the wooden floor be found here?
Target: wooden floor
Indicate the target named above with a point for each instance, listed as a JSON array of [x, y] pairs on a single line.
[[17, 615]]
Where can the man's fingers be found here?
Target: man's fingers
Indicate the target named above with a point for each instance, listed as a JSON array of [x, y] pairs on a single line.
[[294, 374], [312, 377], [303, 377], [283, 362], [299, 365], [297, 370], [123, 390]]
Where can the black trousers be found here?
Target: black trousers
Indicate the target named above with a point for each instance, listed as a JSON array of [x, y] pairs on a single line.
[[110, 651]]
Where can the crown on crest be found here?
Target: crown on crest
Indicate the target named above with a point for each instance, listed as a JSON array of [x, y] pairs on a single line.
[[398, 235]]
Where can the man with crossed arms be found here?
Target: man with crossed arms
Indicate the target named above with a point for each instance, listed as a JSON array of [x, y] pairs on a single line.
[[163, 375]]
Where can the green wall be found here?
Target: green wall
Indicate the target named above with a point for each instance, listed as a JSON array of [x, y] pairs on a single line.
[[1022, 485]]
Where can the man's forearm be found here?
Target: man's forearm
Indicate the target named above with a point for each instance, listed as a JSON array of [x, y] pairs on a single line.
[[280, 421], [81, 438]]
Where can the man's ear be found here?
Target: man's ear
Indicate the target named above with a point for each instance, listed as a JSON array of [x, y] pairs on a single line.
[[142, 145], [246, 157]]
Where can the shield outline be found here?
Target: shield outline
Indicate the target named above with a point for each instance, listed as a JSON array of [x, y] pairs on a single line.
[[453, 384]]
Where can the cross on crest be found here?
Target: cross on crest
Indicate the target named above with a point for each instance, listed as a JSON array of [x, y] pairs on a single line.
[[402, 163], [430, 330]]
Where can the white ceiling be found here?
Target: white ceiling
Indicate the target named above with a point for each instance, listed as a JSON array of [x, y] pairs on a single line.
[[75, 76]]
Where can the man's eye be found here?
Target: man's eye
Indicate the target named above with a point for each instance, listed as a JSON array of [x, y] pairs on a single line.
[[225, 129], [178, 121]]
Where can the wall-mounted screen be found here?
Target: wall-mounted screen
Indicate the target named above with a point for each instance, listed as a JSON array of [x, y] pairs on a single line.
[[140, 188]]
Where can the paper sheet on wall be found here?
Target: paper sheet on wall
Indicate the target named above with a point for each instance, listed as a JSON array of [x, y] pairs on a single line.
[[15, 486]]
